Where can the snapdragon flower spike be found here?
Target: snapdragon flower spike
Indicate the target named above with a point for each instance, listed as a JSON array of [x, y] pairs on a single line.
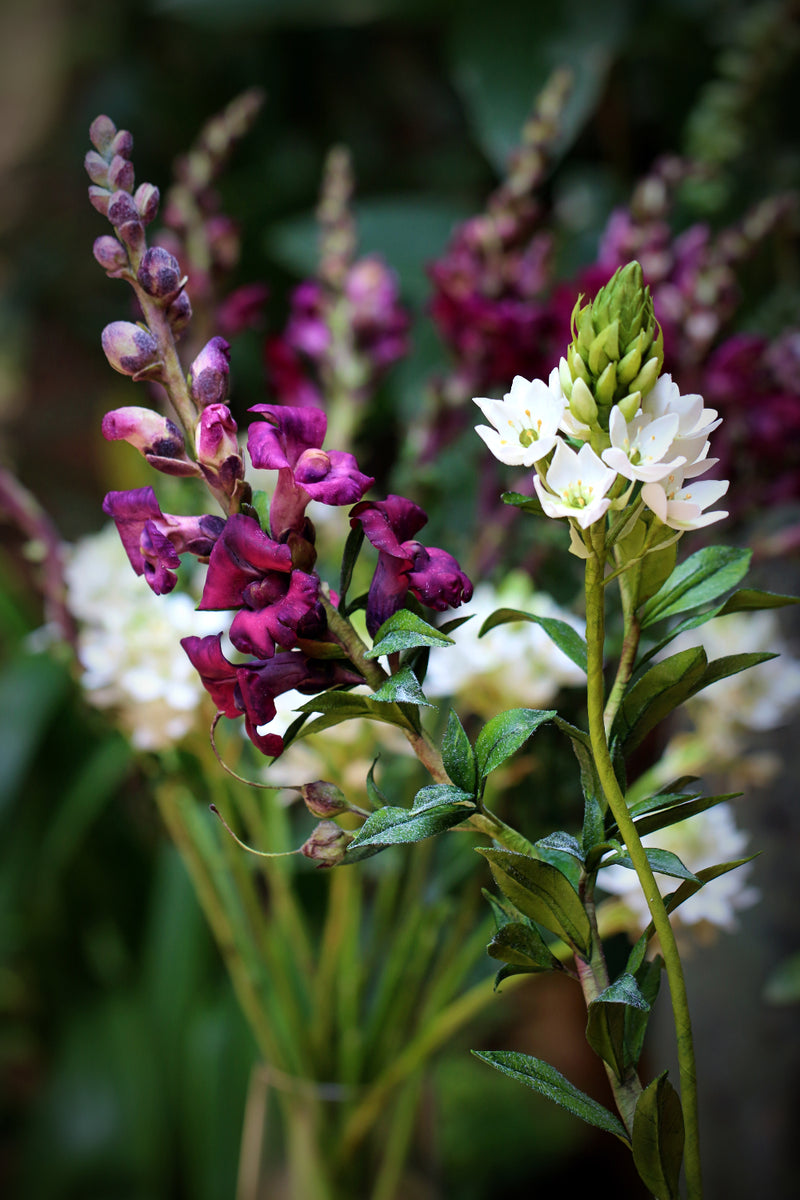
[[154, 540], [153, 435], [682, 507], [404, 564], [639, 447], [249, 689], [290, 441], [526, 421], [576, 485], [249, 571]]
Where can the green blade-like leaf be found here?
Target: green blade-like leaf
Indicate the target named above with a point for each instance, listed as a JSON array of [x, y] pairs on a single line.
[[344, 706], [663, 862], [522, 946], [402, 688], [568, 640], [529, 504], [458, 756], [730, 664], [393, 826], [403, 631], [608, 1024], [352, 548], [374, 793], [543, 893], [549, 1082], [504, 734], [660, 690], [593, 831], [674, 813], [701, 579], [754, 600], [658, 1138]]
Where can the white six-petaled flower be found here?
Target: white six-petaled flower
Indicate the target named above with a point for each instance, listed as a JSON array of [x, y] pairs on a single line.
[[638, 447], [577, 485], [682, 507], [695, 423], [525, 421]]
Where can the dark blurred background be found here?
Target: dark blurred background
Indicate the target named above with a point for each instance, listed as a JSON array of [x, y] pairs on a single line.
[[124, 1061]]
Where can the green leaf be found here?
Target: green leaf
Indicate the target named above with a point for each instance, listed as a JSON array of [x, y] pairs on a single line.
[[543, 893], [753, 600], [664, 862], [730, 664], [442, 808], [561, 841], [690, 886], [658, 1138], [523, 946], [549, 1082], [402, 687], [673, 813], [374, 793], [609, 1025], [260, 502], [403, 631], [458, 756], [653, 697], [344, 706], [504, 735], [568, 640], [352, 548], [648, 978], [701, 579], [656, 567], [593, 832]]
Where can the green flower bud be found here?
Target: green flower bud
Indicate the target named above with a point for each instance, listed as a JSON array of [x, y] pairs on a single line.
[[606, 386], [582, 404], [647, 377], [629, 405]]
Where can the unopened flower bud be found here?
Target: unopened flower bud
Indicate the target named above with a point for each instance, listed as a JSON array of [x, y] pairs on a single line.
[[96, 168], [148, 431], [121, 209], [582, 403], [110, 254], [327, 845], [120, 174], [323, 799], [129, 348], [217, 446], [146, 198], [99, 198], [179, 313], [132, 234], [102, 132], [629, 405], [160, 273], [645, 380], [208, 374], [121, 144]]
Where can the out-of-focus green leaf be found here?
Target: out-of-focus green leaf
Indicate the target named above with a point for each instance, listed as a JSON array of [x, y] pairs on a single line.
[[31, 688], [568, 640], [658, 1138], [699, 580]]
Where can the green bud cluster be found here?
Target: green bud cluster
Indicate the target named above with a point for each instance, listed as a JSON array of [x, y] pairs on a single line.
[[616, 353]]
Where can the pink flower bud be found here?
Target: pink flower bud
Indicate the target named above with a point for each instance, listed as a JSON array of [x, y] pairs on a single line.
[[129, 348], [179, 313], [121, 209], [208, 374], [122, 144], [160, 273], [323, 799], [102, 132], [120, 174], [148, 431], [132, 234], [327, 845], [110, 254], [99, 198], [146, 198], [215, 436], [96, 168]]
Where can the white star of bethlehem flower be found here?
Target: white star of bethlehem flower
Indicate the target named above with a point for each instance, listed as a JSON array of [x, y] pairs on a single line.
[[682, 507], [577, 485], [639, 446], [525, 422], [695, 423]]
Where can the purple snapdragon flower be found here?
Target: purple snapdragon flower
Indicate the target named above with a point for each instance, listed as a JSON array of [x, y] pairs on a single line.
[[156, 437], [290, 441], [404, 565], [154, 540], [249, 689], [249, 571]]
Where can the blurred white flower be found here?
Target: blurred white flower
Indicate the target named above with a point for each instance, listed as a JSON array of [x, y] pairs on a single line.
[[129, 643], [514, 664]]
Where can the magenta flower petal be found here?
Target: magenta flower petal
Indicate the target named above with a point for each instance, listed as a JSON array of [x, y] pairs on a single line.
[[217, 675], [154, 540], [437, 580], [387, 523], [241, 556], [286, 433], [331, 477], [258, 628]]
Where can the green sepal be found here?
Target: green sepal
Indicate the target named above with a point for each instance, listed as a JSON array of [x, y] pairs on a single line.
[[458, 756], [699, 580], [543, 893], [403, 631], [402, 688], [352, 548], [658, 1138], [504, 734], [568, 640], [614, 1021], [549, 1082], [260, 502], [520, 945], [436, 808]]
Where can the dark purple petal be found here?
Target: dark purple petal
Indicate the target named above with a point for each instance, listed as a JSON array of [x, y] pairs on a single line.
[[153, 540], [286, 433], [241, 555], [271, 619], [215, 436], [160, 559], [208, 374], [436, 578], [217, 675], [130, 512], [388, 590], [331, 478], [390, 522], [129, 348]]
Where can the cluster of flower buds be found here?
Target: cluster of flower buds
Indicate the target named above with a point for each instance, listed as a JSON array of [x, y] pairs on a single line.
[[639, 441]]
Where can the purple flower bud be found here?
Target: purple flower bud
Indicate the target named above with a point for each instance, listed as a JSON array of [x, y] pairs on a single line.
[[132, 234], [215, 436], [122, 144], [99, 198], [208, 374], [146, 198], [121, 209], [120, 174], [179, 313], [110, 254], [327, 845], [323, 799], [96, 168], [129, 348], [148, 431], [102, 132], [159, 273]]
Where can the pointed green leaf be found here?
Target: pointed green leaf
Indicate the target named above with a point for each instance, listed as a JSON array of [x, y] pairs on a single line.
[[753, 600], [568, 640], [504, 734], [543, 893], [609, 1025], [403, 631], [522, 946], [374, 793], [561, 841], [343, 706], [593, 831], [529, 504], [549, 1082], [648, 977], [352, 548], [731, 664], [656, 567], [658, 1138], [663, 862], [672, 814], [442, 808], [402, 687], [458, 756], [660, 690], [701, 579]]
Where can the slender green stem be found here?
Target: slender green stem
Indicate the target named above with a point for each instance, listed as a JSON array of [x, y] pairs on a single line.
[[595, 638]]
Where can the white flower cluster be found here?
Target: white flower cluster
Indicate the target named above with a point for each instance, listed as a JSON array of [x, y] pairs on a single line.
[[701, 841], [513, 664], [129, 643], [663, 447]]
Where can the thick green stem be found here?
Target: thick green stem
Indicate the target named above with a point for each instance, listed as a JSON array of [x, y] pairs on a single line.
[[595, 638]]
